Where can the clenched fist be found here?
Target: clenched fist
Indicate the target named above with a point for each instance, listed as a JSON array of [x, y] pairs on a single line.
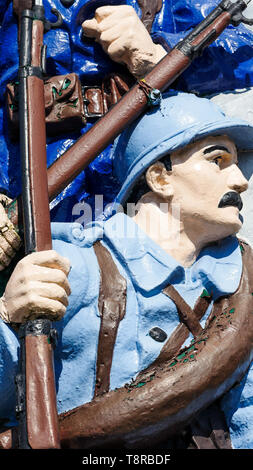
[[124, 38], [37, 287]]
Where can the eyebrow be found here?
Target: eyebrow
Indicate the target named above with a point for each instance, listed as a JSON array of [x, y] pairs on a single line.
[[216, 147]]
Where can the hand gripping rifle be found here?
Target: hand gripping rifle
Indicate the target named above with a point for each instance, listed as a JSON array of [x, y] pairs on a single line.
[[145, 92], [36, 404]]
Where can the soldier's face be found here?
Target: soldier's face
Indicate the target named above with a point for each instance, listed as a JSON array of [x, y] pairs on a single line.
[[207, 183]]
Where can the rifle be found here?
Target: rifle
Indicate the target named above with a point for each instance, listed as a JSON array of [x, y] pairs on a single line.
[[141, 95], [147, 91], [137, 99], [36, 396]]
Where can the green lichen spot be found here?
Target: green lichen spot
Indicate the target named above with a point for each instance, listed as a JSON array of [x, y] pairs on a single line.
[[232, 310], [73, 104], [172, 363], [205, 293], [181, 356], [140, 384], [66, 83]]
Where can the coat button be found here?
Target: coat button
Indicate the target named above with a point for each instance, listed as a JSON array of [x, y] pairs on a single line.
[[158, 334]]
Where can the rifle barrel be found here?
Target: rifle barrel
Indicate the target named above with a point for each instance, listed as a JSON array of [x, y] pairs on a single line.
[[37, 408]]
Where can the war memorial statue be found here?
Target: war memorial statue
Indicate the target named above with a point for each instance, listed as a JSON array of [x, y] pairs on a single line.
[[153, 302]]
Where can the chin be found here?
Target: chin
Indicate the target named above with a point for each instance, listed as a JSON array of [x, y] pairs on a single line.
[[224, 228], [233, 226], [231, 220]]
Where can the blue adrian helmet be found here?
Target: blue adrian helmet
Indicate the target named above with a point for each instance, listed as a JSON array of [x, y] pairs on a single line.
[[180, 119]]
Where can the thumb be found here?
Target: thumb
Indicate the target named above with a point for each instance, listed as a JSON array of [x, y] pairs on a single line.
[[91, 28]]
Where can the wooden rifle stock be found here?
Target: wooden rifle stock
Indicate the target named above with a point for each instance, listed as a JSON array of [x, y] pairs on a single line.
[[36, 405]]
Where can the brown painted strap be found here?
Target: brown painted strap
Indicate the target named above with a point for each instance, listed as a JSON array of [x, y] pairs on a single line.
[[179, 335], [186, 314], [149, 9], [68, 104], [111, 304]]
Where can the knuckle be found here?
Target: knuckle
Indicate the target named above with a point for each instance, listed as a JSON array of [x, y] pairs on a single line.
[[67, 263], [60, 277], [25, 274], [30, 299], [22, 263], [60, 312], [54, 254], [3, 257]]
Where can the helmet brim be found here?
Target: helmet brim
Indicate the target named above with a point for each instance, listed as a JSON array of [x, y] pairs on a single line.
[[240, 132]]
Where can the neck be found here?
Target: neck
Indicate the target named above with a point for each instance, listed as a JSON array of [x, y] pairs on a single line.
[[163, 225]]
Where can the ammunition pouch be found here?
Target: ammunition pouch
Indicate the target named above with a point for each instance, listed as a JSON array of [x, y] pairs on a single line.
[[68, 104]]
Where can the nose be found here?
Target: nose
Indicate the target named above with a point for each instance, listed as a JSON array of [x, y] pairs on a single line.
[[236, 180]]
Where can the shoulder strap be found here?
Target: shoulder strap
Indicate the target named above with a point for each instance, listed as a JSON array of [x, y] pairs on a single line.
[[111, 305]]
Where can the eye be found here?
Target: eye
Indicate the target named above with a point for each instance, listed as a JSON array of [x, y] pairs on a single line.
[[217, 160]]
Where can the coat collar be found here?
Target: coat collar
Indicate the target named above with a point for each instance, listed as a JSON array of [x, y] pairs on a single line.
[[218, 267]]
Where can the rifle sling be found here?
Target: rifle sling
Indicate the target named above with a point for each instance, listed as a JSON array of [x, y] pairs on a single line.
[[209, 429], [112, 302], [111, 305]]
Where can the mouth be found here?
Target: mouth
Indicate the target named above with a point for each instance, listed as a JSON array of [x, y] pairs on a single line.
[[231, 198]]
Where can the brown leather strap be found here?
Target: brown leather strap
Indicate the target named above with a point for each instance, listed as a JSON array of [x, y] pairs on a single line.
[[174, 343], [149, 9], [186, 314], [68, 104], [111, 305], [99, 99]]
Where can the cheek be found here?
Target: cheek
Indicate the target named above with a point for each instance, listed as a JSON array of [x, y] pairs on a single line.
[[200, 179], [199, 188], [197, 167], [208, 178]]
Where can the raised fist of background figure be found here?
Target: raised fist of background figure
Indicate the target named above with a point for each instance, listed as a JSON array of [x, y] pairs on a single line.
[[124, 38]]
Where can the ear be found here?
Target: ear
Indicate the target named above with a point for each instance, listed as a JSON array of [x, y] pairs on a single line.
[[159, 181]]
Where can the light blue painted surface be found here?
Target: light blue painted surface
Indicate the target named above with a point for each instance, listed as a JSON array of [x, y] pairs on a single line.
[[147, 269]]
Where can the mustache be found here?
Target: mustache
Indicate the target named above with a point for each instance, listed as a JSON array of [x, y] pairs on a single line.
[[232, 198]]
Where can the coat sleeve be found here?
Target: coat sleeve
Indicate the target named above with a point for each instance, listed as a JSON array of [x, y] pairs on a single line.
[[9, 345]]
